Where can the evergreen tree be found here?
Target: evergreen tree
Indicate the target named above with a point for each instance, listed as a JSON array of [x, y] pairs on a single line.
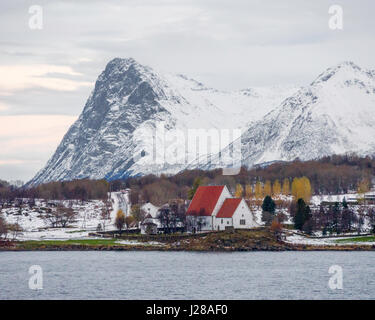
[[308, 226], [268, 205], [303, 214], [348, 218], [268, 208], [336, 218]]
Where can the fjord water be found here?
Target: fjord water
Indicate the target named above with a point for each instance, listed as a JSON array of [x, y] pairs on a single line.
[[187, 275]]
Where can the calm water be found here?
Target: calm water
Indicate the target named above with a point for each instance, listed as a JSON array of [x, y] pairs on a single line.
[[181, 275]]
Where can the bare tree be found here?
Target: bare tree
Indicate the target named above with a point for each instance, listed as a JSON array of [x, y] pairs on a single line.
[[371, 218], [67, 216], [348, 218], [138, 213], [3, 228], [192, 223], [361, 219], [178, 214], [164, 217], [171, 216], [128, 221], [15, 230], [61, 217], [276, 229], [105, 214]]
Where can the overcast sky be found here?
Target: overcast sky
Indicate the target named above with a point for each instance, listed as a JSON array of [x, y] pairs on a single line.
[[48, 74]]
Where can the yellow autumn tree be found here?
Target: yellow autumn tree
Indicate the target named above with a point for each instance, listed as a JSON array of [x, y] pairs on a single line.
[[363, 186], [258, 190], [306, 189], [267, 188], [301, 189], [276, 188], [295, 188], [286, 187], [248, 191], [120, 220], [239, 191], [128, 221]]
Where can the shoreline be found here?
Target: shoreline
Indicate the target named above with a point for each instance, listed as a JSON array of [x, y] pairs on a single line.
[[133, 248], [262, 239]]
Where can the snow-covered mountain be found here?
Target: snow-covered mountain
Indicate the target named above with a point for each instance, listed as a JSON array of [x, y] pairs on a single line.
[[111, 138], [335, 114]]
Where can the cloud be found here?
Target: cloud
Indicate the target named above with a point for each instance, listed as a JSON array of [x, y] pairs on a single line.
[[84, 59], [3, 106], [27, 142], [37, 128], [20, 77], [12, 162]]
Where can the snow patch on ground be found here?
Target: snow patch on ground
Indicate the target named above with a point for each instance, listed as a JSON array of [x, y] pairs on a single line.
[[300, 239], [89, 216], [133, 242]]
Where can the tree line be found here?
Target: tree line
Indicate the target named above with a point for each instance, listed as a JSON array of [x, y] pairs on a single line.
[[329, 175], [84, 189]]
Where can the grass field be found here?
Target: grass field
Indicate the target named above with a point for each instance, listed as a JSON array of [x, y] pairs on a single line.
[[87, 242], [357, 239]]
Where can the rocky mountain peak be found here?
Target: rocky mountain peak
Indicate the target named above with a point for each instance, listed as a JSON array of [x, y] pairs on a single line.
[[335, 114], [341, 72]]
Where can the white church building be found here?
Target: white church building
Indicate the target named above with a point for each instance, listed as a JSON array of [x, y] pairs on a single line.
[[214, 208]]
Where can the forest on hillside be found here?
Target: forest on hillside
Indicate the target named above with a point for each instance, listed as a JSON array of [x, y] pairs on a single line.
[[329, 175], [84, 189]]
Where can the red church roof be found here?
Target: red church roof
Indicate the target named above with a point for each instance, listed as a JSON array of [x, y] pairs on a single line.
[[228, 208], [204, 201]]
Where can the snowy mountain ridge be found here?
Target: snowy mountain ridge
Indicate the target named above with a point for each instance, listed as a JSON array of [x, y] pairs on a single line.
[[129, 100], [335, 114]]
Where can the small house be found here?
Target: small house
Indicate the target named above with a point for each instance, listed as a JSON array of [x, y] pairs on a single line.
[[214, 208], [234, 213]]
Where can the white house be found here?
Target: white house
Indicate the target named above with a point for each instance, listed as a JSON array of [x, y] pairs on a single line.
[[214, 208], [234, 213], [204, 206], [151, 223]]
